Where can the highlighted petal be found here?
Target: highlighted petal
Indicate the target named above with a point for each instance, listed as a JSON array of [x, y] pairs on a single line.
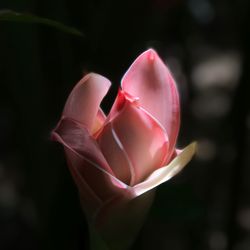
[[149, 79], [165, 173], [133, 141], [84, 100]]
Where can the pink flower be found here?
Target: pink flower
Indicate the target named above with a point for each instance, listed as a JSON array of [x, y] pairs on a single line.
[[132, 150]]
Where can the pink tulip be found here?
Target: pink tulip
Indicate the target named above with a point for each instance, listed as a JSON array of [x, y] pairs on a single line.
[[132, 150]]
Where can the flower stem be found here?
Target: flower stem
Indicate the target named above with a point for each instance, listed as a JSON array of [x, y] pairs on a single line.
[[121, 224]]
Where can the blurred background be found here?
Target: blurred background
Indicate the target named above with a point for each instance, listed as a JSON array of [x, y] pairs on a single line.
[[206, 45]]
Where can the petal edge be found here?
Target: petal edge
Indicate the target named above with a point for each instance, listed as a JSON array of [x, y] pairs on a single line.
[[84, 100], [165, 173]]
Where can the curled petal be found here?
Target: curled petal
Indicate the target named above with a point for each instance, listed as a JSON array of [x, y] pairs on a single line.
[[89, 168], [72, 134], [149, 79], [84, 101], [133, 143], [165, 173]]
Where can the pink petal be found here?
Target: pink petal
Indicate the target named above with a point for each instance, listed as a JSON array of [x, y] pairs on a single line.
[[163, 174], [89, 168], [133, 143], [91, 200], [84, 100], [115, 154], [149, 79]]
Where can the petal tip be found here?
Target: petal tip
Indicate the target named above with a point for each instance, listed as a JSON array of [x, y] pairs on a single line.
[[151, 50], [151, 54], [94, 76]]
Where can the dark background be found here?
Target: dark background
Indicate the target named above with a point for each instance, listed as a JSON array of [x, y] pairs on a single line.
[[206, 45]]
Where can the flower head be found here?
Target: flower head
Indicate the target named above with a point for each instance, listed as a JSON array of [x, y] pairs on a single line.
[[132, 150]]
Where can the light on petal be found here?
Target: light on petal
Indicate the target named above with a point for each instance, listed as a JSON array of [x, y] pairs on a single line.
[[163, 174]]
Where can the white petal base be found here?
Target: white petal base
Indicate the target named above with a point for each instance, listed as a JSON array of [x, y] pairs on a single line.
[[165, 173]]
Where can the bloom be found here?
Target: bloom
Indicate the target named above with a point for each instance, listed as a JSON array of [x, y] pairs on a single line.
[[132, 150]]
